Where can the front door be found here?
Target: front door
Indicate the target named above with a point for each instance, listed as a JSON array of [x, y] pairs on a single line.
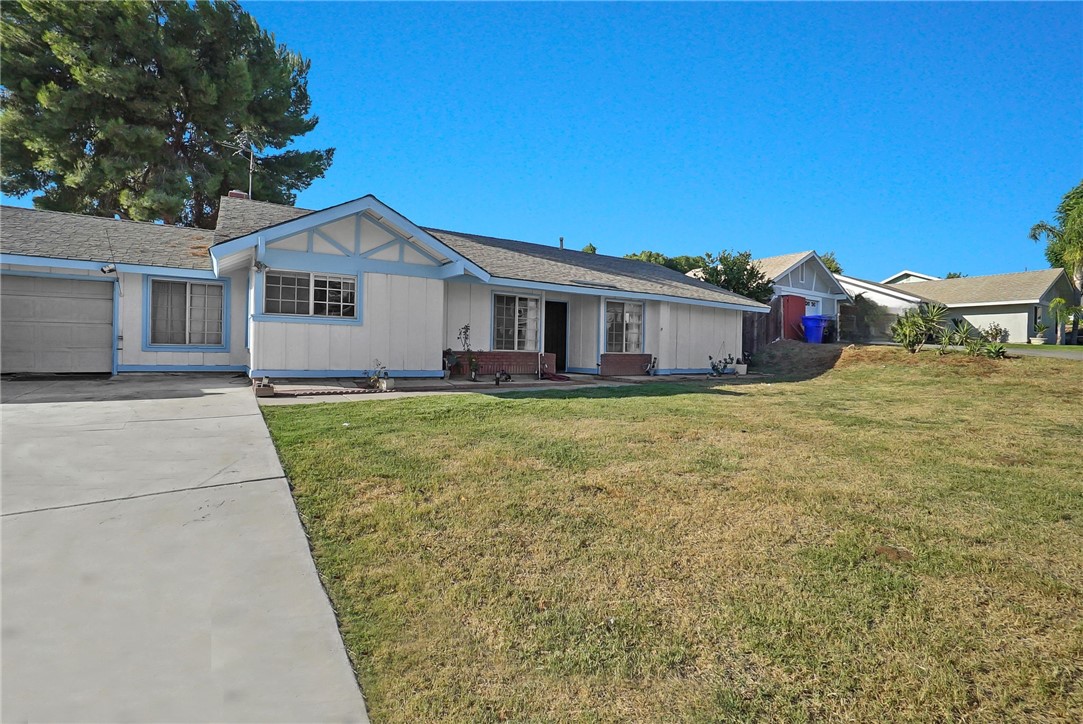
[[556, 333]]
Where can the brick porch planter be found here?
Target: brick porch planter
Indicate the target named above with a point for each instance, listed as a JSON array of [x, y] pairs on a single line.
[[514, 363], [624, 364]]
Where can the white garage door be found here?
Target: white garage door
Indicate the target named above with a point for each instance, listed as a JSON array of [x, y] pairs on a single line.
[[55, 325]]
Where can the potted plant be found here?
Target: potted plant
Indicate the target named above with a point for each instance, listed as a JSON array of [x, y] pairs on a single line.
[[1040, 329], [378, 379], [475, 365], [450, 360], [741, 365]]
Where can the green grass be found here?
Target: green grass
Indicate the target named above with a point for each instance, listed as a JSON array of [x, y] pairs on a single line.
[[900, 538]]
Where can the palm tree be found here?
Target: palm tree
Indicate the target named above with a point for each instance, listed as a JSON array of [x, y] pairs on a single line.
[[1064, 239]]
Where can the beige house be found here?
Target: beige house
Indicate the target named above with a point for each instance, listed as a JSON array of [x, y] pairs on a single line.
[[1015, 301]]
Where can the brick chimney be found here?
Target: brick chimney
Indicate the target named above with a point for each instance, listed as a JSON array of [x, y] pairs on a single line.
[[235, 194]]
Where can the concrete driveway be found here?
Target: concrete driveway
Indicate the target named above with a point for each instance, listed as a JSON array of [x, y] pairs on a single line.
[[153, 566]]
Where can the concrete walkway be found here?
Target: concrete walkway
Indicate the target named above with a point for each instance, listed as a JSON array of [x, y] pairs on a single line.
[[1074, 352], [153, 566]]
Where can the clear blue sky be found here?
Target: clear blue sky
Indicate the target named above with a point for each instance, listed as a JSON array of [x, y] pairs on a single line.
[[920, 136]]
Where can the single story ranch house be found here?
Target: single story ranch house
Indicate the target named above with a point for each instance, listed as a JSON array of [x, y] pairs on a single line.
[[278, 291], [1015, 301]]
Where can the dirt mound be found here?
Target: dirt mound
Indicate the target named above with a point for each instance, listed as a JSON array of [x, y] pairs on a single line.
[[788, 358]]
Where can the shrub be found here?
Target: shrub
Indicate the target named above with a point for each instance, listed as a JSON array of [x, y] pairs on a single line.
[[994, 333], [916, 326], [996, 350]]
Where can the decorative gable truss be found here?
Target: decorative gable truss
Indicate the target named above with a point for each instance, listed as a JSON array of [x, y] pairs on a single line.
[[358, 237], [358, 243]]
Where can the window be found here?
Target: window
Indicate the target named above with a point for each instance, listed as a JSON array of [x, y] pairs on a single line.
[[623, 327], [186, 313], [313, 295], [515, 323]]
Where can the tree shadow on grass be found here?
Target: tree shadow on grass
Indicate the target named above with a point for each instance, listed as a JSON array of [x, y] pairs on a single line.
[[616, 392]]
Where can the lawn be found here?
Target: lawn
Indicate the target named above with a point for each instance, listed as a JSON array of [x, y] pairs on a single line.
[[899, 538]]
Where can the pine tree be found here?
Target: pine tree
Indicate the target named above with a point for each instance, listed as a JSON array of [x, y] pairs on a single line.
[[137, 109]]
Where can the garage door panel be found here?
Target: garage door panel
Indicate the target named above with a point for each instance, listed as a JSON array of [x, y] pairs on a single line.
[[55, 325]]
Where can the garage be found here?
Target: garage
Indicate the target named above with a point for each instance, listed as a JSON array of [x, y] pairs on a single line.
[[55, 325]]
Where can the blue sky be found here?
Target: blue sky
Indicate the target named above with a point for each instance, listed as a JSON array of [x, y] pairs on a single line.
[[924, 136]]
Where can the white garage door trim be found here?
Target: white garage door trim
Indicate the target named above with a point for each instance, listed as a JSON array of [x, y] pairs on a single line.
[[56, 323]]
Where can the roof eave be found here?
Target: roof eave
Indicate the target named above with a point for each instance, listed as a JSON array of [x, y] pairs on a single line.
[[752, 306]]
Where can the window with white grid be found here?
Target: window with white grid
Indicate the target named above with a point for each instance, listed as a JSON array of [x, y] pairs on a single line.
[[186, 313], [309, 294], [515, 323], [623, 327]]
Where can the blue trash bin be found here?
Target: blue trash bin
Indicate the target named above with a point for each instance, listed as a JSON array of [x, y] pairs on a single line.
[[814, 328]]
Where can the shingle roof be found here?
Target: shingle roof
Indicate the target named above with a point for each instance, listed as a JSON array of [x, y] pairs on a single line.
[[888, 288], [59, 235], [1013, 287], [776, 266], [524, 261], [237, 217]]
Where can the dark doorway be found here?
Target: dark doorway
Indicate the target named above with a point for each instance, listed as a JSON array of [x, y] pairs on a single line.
[[556, 333]]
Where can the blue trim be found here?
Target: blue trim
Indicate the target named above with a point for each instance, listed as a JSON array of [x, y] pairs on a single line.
[[116, 325], [318, 232], [181, 368], [285, 259], [247, 306], [304, 319], [582, 370], [148, 346], [345, 373], [684, 371], [97, 265], [261, 316], [386, 245], [620, 294], [78, 277]]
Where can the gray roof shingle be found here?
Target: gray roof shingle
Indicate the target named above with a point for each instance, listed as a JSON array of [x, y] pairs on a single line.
[[520, 260], [1016, 286], [59, 235], [74, 236], [238, 217], [775, 266]]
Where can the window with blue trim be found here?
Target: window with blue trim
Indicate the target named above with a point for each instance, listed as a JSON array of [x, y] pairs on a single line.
[[309, 294], [186, 313]]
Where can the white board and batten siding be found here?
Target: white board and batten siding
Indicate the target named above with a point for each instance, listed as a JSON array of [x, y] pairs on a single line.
[[402, 328], [687, 334], [132, 330]]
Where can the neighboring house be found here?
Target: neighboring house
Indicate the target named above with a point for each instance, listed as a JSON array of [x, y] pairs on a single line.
[[803, 286], [1014, 301], [285, 292], [908, 276], [874, 309]]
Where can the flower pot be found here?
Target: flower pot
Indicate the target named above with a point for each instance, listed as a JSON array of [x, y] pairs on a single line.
[[386, 383], [741, 369], [1037, 340], [447, 374]]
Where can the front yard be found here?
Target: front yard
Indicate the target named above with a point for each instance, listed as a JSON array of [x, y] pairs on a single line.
[[899, 538]]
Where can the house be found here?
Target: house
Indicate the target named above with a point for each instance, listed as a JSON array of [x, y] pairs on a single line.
[[286, 292], [1014, 301], [908, 276], [874, 309], [803, 287]]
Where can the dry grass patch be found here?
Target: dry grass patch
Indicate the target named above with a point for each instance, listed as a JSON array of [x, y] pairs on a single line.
[[899, 538]]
